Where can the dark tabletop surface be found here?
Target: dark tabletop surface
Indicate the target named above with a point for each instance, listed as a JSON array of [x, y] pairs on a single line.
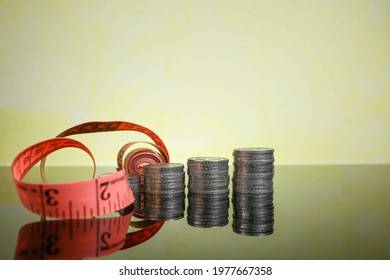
[[321, 212]]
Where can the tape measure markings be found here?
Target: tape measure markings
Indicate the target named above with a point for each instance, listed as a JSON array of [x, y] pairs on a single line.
[[88, 198], [81, 239], [66, 239], [93, 127], [32, 155]]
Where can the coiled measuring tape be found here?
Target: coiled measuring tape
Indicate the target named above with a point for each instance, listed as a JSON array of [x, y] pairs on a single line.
[[88, 198], [83, 238]]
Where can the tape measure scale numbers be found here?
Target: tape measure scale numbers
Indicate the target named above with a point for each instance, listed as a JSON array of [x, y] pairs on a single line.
[[76, 236], [83, 238], [84, 199], [71, 200]]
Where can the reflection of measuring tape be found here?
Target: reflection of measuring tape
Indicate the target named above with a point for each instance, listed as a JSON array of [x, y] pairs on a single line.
[[137, 237], [80, 239], [84, 199]]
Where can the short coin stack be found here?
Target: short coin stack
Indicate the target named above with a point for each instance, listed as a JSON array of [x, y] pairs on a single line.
[[164, 191], [208, 192], [135, 185], [253, 209]]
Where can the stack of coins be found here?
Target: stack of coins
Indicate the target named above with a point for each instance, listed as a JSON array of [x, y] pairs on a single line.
[[135, 185], [208, 192], [253, 209], [164, 191]]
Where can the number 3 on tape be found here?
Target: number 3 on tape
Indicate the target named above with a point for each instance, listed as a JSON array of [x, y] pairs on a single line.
[[74, 200]]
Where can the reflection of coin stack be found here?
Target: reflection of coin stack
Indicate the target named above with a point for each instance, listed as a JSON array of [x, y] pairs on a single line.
[[253, 209], [135, 185], [208, 192], [164, 191]]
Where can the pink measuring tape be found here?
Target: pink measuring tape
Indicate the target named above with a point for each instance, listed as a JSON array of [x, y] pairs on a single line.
[[88, 198]]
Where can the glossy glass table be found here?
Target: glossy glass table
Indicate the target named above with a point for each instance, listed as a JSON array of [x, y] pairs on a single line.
[[329, 212]]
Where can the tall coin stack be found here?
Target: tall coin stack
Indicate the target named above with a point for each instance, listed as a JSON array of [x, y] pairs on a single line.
[[164, 191], [253, 209], [208, 192]]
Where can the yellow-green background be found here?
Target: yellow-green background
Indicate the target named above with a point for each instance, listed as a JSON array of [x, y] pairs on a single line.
[[309, 78]]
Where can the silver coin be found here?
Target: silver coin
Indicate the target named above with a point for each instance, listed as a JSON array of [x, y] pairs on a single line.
[[164, 180], [208, 186], [166, 203], [253, 211], [211, 224], [253, 152], [252, 215], [260, 210], [155, 207], [167, 211], [172, 205], [264, 226], [220, 181], [206, 201], [208, 222], [162, 217], [161, 188], [217, 208], [191, 171], [261, 185], [222, 193], [240, 206], [213, 204], [251, 203], [252, 218], [243, 188], [173, 195], [197, 187], [242, 193], [238, 221], [163, 168], [207, 197], [208, 181], [209, 176], [224, 182], [249, 169], [208, 218], [259, 179], [253, 164], [252, 176], [207, 161], [210, 196], [252, 233], [165, 193], [164, 211], [214, 210], [254, 160]]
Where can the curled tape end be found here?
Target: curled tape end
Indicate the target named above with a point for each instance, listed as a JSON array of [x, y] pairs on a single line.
[[90, 198]]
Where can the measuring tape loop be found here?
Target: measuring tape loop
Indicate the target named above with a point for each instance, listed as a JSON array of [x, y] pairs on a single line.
[[134, 161], [84, 199], [26, 159], [88, 198], [92, 127], [133, 239]]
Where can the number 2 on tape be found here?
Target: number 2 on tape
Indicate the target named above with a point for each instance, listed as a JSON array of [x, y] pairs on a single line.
[[73, 200]]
